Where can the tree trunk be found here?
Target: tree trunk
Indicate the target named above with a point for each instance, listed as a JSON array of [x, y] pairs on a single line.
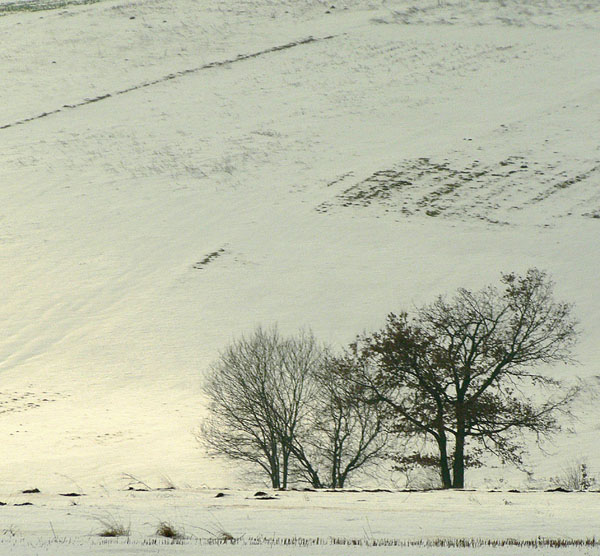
[[285, 470], [302, 459], [444, 465], [275, 481], [314, 476], [458, 465], [335, 468], [274, 464]]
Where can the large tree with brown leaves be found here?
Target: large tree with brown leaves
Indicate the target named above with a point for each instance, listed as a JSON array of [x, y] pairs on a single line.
[[467, 372]]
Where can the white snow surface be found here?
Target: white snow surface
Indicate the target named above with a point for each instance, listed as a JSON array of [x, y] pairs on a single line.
[[293, 523], [107, 208]]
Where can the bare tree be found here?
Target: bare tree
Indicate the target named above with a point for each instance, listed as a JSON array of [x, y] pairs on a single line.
[[349, 430], [287, 406], [456, 371], [258, 395]]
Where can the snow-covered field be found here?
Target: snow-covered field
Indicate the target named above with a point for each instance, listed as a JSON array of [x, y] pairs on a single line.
[[340, 162], [433, 523]]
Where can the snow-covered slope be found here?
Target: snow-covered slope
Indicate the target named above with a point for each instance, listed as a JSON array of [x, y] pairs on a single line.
[[174, 173]]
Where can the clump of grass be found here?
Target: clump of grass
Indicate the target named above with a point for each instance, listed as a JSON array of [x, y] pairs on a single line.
[[136, 484], [113, 528], [10, 531], [224, 536], [168, 482], [169, 531], [219, 534]]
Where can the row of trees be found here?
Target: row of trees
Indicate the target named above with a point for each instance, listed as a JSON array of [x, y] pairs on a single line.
[[274, 402], [449, 383]]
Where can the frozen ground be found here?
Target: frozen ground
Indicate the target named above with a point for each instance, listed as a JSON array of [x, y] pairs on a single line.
[[337, 165], [433, 523]]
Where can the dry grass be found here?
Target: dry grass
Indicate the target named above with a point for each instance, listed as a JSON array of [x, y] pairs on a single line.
[[169, 531], [536, 544], [113, 528]]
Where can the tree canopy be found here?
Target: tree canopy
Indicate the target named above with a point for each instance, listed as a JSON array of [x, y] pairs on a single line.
[[454, 371]]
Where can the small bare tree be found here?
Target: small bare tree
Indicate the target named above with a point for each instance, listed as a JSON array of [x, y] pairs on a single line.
[[576, 476], [348, 430], [258, 394]]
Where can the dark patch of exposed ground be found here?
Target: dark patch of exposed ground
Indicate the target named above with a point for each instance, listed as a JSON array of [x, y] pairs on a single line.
[[487, 191]]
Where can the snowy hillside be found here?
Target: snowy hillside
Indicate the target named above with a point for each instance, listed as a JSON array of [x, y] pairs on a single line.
[[174, 173]]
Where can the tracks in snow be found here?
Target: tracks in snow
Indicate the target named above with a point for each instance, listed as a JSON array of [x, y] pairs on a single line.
[[169, 77]]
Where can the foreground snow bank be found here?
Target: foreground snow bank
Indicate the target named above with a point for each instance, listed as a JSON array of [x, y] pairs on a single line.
[[303, 522]]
